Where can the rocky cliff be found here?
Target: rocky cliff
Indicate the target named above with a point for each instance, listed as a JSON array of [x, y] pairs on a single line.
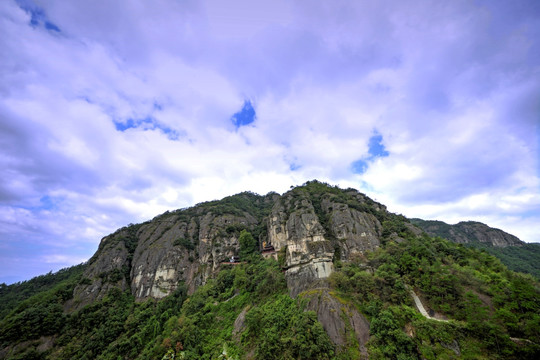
[[312, 229], [185, 246], [309, 227], [468, 232], [308, 230]]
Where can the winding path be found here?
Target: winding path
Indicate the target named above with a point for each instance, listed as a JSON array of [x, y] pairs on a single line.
[[421, 307]]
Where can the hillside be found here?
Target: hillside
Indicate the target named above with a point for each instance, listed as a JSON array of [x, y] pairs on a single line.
[[514, 253], [316, 273], [466, 232]]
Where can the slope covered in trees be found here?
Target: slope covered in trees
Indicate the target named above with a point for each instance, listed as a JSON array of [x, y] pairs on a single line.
[[525, 258], [244, 310], [12, 295], [518, 256]]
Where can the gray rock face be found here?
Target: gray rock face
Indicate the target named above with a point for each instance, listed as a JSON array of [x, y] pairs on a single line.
[[339, 320], [105, 273], [174, 250], [163, 252], [295, 228], [356, 231], [314, 229], [311, 230], [485, 234]]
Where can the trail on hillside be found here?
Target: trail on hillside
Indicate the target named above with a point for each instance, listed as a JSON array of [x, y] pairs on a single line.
[[421, 308]]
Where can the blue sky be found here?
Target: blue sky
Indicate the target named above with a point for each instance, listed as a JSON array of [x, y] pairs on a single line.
[[114, 112]]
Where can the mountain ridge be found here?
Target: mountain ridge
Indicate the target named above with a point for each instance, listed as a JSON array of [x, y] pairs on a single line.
[[514, 253], [468, 231]]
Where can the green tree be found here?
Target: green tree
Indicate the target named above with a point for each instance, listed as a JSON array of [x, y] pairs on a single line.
[[248, 244]]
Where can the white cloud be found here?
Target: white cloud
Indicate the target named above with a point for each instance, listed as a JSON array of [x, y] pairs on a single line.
[[452, 88]]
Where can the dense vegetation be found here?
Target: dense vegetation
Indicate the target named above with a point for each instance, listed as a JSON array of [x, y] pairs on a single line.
[[201, 326], [245, 202], [488, 304], [244, 310], [14, 294], [524, 258]]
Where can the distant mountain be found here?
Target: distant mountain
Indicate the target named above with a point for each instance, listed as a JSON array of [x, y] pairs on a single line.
[[316, 273], [468, 232], [514, 253]]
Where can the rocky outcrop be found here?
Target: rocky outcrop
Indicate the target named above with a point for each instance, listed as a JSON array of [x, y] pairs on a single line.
[[485, 234], [311, 227], [176, 250], [468, 232], [153, 258], [314, 229], [107, 271], [356, 231], [340, 320], [295, 228]]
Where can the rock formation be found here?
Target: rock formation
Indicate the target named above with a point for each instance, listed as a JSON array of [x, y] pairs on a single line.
[[310, 228]]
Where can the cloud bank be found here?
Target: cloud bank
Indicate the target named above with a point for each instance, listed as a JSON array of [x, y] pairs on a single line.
[[111, 113]]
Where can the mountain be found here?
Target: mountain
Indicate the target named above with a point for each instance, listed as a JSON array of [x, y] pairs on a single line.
[[316, 273], [514, 253], [468, 232]]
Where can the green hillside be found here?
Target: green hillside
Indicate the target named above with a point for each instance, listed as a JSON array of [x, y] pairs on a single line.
[[12, 295], [524, 257], [475, 309], [487, 304]]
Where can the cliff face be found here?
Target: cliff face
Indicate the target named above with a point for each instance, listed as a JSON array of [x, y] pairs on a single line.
[[177, 249], [308, 229], [468, 232], [184, 246], [312, 229]]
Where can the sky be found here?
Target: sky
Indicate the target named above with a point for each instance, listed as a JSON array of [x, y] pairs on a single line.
[[112, 112]]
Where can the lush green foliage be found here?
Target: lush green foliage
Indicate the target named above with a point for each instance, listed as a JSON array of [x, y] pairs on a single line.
[[186, 243], [488, 304], [248, 244], [198, 327], [41, 314], [525, 258], [12, 295], [281, 330], [239, 204]]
